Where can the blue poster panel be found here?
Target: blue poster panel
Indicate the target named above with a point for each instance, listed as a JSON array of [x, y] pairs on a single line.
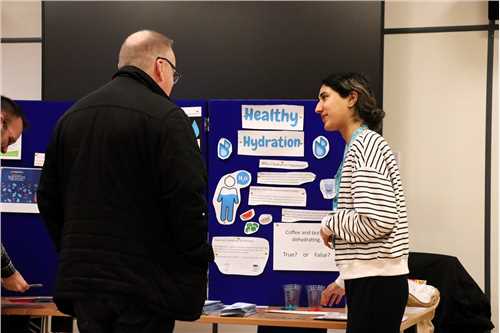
[[271, 167], [24, 235]]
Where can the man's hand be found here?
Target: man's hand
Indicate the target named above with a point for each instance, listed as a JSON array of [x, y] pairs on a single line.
[[15, 282], [332, 294]]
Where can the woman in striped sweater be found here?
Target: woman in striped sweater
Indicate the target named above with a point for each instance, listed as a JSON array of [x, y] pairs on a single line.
[[368, 227]]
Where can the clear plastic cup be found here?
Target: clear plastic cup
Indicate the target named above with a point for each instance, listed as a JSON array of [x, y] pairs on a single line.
[[292, 296], [314, 295]]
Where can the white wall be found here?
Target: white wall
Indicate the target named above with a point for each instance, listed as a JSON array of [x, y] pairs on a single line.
[[21, 79], [411, 14], [21, 63], [434, 97], [21, 19]]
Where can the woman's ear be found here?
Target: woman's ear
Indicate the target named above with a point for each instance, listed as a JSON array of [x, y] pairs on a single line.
[[352, 99]]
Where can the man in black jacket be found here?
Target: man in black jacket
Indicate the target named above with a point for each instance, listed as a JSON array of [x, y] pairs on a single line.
[[122, 194]]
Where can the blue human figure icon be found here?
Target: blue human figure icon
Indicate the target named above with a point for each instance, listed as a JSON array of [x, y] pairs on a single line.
[[228, 197]]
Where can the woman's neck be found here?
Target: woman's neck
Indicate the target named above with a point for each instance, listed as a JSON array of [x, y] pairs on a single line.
[[347, 131]]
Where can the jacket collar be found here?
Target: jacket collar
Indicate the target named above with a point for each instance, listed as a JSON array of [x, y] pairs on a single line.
[[142, 77]]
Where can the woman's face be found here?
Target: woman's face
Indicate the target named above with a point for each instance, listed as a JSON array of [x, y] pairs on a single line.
[[334, 109]]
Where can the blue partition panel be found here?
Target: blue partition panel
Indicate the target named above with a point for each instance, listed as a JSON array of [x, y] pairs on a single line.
[[24, 235], [265, 289]]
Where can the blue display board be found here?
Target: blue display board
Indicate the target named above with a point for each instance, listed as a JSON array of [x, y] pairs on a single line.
[[24, 235], [225, 121]]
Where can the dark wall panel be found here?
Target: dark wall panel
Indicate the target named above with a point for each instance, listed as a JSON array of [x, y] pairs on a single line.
[[223, 49]]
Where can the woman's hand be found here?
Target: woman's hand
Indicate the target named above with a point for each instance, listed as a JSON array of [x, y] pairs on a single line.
[[332, 294], [326, 237]]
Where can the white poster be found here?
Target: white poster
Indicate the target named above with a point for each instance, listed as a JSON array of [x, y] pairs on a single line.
[[192, 111], [271, 143], [294, 215], [273, 117], [39, 159], [285, 178], [277, 196], [298, 247], [13, 151], [283, 164], [241, 255]]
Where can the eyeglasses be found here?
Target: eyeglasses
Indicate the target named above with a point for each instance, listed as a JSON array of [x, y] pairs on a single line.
[[177, 75]]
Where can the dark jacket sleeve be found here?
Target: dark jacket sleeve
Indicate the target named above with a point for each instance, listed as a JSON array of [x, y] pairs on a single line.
[[7, 267], [49, 198], [183, 186]]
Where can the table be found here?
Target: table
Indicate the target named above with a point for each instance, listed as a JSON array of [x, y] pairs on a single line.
[[414, 316], [44, 310], [48, 310]]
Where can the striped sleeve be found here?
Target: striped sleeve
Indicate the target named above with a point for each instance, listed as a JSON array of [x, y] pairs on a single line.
[[375, 209], [373, 212]]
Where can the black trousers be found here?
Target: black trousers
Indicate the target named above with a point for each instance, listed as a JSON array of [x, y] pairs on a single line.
[[118, 316], [376, 304]]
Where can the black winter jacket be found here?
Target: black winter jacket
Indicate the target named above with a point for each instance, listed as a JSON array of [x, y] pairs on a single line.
[[122, 194]]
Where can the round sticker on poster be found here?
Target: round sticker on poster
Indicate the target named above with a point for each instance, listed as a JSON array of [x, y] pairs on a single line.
[[320, 147], [251, 228], [224, 148], [243, 178], [265, 219]]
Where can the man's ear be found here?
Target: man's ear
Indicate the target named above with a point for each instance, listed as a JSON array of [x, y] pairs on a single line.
[[157, 71], [352, 99]]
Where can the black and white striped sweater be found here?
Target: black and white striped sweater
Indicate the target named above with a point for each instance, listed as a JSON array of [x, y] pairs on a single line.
[[370, 226]]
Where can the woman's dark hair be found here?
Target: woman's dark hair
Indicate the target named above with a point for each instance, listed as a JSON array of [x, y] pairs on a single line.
[[366, 106]]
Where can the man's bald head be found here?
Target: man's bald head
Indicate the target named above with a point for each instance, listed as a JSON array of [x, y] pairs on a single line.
[[141, 48]]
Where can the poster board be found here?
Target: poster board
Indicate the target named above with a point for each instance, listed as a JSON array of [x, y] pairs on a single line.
[[230, 128]]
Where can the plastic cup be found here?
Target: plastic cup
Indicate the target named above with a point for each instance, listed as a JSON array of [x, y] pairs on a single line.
[[314, 295], [292, 296]]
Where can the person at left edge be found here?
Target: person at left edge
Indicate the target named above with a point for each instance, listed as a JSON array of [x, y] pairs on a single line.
[[122, 194], [13, 123]]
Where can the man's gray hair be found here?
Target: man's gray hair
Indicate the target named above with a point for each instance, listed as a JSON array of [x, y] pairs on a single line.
[[141, 48]]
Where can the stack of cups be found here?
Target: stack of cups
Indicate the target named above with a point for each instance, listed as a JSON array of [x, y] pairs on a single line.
[[314, 296], [292, 296]]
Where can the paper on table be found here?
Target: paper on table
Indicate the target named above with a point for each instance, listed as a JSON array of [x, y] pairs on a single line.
[[277, 196], [271, 143], [241, 255], [285, 178], [283, 164], [294, 215], [299, 312], [334, 315]]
